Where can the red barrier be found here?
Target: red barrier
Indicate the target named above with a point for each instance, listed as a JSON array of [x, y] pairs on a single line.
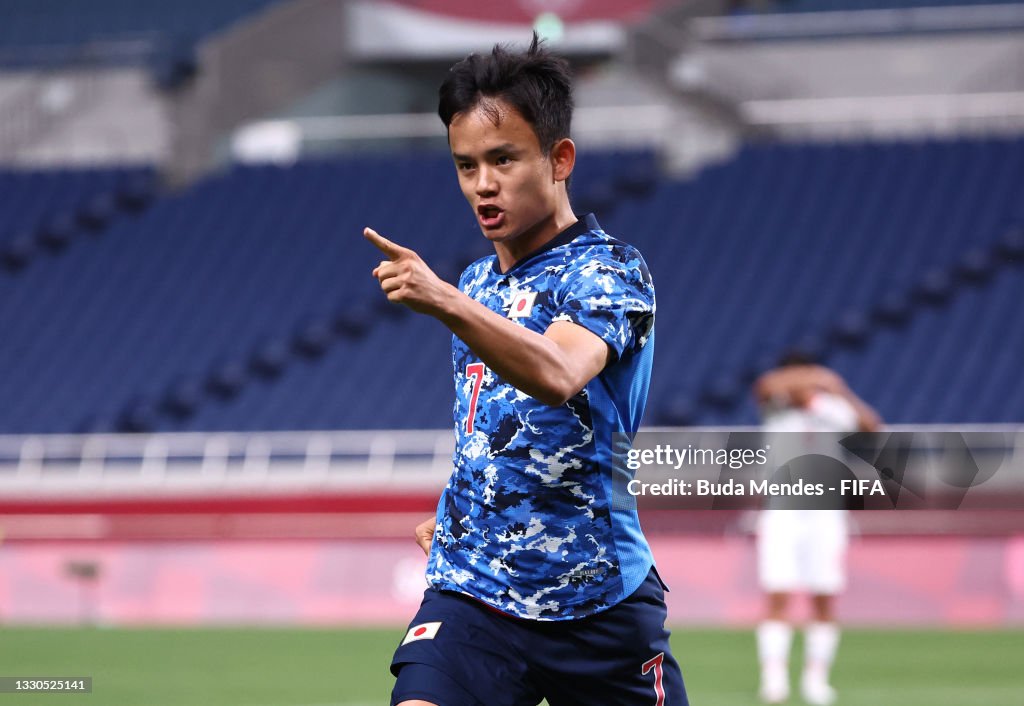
[[949, 581]]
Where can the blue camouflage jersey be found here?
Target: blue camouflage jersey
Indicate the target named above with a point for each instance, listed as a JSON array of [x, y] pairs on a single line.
[[528, 523]]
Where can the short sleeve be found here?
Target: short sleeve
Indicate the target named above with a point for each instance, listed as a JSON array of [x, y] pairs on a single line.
[[613, 298]]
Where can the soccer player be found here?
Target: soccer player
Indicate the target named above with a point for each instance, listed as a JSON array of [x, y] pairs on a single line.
[[803, 550], [541, 584]]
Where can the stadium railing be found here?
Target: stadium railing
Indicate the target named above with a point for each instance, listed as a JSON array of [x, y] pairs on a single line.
[[267, 462], [92, 465], [380, 484]]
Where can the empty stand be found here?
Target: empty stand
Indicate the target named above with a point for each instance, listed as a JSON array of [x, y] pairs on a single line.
[[46, 209], [246, 301], [794, 244], [54, 23]]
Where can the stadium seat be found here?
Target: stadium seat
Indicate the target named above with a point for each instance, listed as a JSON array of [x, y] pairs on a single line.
[[65, 29], [852, 329], [1011, 246], [245, 301], [892, 309], [678, 410], [270, 359], [227, 380], [724, 391], [935, 287], [56, 234], [140, 416], [98, 211], [183, 398], [313, 339], [353, 321], [17, 252], [976, 266]]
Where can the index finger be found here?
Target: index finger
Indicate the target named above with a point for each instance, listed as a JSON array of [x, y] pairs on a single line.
[[392, 250]]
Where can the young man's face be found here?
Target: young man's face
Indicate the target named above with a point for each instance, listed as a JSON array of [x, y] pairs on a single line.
[[509, 182]]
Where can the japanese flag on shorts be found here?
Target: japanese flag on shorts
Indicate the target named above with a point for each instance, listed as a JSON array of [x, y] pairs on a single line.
[[423, 631]]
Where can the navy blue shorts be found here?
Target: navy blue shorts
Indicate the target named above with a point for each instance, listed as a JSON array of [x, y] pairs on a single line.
[[466, 654]]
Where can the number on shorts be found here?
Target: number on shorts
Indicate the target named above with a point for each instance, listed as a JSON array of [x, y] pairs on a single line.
[[655, 664], [475, 371]]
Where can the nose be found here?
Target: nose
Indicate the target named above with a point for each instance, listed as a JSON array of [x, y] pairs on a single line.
[[486, 183]]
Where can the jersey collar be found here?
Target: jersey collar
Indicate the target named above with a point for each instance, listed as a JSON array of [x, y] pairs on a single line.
[[581, 226]]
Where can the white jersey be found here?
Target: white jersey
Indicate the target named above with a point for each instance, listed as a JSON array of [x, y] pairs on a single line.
[[804, 549], [825, 412]]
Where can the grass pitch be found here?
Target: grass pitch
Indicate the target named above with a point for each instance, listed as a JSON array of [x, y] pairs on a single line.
[[291, 667]]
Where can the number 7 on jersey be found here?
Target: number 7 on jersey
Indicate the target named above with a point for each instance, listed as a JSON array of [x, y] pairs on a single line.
[[475, 371]]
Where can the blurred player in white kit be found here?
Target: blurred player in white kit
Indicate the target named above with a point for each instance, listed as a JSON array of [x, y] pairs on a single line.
[[803, 550]]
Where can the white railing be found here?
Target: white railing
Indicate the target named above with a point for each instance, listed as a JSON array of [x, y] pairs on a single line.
[[36, 466], [41, 465]]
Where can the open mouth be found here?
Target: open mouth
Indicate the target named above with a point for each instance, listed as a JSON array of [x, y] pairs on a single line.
[[490, 216]]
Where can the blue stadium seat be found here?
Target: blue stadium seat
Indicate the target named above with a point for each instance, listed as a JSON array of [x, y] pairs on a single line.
[[1011, 245], [893, 308], [46, 209], [65, 28], [245, 302]]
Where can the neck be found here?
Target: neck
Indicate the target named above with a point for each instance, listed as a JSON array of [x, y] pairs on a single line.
[[511, 252]]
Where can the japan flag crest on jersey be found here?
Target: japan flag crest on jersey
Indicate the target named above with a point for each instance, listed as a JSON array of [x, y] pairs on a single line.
[[423, 631], [522, 305]]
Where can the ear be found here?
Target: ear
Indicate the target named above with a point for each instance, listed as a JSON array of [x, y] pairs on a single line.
[[563, 159]]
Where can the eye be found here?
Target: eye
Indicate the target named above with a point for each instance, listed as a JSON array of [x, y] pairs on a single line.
[[463, 166], [503, 160]]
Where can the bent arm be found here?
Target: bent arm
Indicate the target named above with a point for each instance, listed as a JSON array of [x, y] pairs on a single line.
[[424, 534], [552, 367], [797, 385]]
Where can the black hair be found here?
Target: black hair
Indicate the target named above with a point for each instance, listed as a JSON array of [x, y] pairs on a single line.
[[536, 83]]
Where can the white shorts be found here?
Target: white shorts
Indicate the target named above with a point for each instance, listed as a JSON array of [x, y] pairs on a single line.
[[802, 550]]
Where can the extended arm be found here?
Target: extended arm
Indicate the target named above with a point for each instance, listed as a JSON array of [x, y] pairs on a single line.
[[551, 367]]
